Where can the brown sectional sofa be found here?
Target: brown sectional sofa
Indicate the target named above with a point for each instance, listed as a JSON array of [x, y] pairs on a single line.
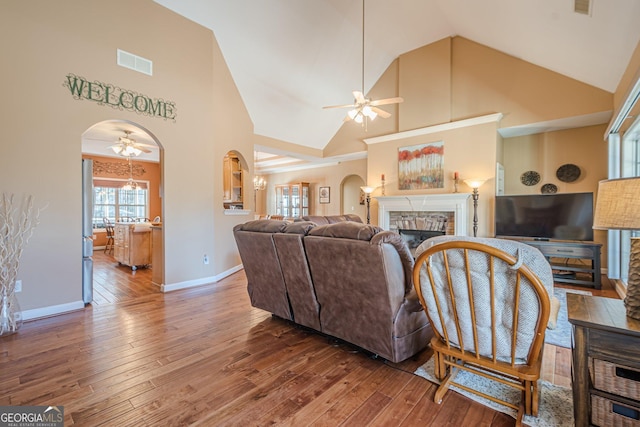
[[346, 279], [331, 219]]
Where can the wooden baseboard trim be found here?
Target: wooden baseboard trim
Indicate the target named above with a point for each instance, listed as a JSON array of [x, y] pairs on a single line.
[[620, 288]]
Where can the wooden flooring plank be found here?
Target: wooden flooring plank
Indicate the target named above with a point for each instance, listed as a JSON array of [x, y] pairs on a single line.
[[204, 356], [406, 400]]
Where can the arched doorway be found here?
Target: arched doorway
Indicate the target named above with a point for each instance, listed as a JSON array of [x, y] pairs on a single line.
[[352, 201], [124, 185]]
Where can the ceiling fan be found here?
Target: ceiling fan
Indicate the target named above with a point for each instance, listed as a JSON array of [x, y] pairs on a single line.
[[127, 146], [364, 109]]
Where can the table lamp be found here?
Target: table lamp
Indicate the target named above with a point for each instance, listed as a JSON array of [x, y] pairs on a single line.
[[618, 208]]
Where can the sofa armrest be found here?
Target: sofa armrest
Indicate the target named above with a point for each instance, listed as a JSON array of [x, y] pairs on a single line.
[[400, 246], [411, 302]]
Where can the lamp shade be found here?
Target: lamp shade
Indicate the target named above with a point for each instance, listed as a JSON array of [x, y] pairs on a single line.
[[618, 204], [475, 183], [368, 190]]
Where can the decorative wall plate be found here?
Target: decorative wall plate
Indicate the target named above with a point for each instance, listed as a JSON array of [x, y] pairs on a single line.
[[549, 189], [530, 178], [568, 173]]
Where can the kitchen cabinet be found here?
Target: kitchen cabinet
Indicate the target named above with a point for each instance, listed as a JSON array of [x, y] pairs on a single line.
[[157, 255], [292, 200], [132, 244], [232, 182]]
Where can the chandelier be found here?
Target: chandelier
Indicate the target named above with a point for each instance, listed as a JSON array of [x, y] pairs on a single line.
[[131, 184], [259, 183]]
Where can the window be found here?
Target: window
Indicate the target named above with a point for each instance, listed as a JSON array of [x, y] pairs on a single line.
[[630, 160], [113, 202]]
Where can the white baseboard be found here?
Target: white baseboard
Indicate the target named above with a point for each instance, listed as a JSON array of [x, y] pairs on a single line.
[[199, 282], [53, 310], [229, 272]]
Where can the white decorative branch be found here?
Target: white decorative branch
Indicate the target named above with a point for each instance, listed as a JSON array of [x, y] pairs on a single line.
[[17, 223]]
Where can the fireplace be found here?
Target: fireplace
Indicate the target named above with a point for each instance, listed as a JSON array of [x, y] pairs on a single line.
[[448, 213]]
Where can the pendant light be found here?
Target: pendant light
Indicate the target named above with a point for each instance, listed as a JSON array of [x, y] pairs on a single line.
[[131, 184]]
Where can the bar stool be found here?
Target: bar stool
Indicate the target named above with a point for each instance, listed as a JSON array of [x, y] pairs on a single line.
[[108, 247]]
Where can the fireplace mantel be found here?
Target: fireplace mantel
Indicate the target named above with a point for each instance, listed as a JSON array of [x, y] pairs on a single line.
[[458, 203]]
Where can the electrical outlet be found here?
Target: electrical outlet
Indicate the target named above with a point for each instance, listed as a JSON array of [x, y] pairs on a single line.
[[205, 259], [18, 285]]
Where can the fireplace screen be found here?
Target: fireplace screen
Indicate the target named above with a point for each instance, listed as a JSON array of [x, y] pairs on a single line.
[[415, 228], [415, 237]]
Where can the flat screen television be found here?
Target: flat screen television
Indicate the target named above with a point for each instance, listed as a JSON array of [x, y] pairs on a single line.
[[565, 216]]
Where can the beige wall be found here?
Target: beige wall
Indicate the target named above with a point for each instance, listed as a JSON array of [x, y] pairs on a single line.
[[546, 152], [41, 149], [425, 85], [471, 151], [456, 79], [328, 176], [486, 81], [40, 154]]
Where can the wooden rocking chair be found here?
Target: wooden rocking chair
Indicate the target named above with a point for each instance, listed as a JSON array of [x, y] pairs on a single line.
[[489, 309]]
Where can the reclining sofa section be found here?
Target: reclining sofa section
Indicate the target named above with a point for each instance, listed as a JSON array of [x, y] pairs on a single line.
[[349, 280]]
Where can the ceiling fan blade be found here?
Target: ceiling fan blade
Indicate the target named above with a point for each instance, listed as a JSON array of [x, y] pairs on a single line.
[[359, 97], [347, 118], [381, 112], [144, 150], [386, 101], [142, 144], [341, 106]]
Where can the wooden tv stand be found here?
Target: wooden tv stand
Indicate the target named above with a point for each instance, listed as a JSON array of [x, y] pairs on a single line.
[[571, 250]]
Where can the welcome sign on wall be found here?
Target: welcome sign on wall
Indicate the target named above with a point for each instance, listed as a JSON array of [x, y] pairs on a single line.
[[122, 99]]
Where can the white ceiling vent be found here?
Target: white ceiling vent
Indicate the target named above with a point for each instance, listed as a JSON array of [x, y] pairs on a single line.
[[582, 6], [135, 62]]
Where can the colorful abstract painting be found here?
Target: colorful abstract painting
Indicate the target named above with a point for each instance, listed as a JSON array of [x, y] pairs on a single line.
[[421, 166]]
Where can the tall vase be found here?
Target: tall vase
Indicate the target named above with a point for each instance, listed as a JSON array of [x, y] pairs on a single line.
[[10, 313]]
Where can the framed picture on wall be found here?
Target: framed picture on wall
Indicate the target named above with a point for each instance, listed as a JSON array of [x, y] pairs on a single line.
[[325, 194], [421, 166]]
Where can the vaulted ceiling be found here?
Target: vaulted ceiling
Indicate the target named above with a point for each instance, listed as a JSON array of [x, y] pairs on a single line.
[[289, 58]]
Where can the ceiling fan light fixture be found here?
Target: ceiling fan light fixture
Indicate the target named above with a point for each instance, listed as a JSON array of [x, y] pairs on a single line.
[[364, 109], [127, 147], [133, 151], [368, 111]]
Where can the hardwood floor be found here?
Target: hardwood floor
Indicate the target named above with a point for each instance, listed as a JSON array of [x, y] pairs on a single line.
[[113, 282], [204, 356]]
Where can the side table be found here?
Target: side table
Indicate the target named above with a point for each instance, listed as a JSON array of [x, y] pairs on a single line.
[[605, 362]]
